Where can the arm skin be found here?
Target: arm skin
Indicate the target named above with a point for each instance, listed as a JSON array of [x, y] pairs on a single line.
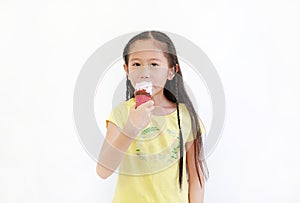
[[196, 192], [113, 149], [118, 140]]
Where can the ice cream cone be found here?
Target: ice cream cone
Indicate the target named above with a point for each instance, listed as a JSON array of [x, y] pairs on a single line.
[[143, 92]]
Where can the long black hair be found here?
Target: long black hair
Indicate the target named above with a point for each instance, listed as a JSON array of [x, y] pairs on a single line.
[[175, 92]]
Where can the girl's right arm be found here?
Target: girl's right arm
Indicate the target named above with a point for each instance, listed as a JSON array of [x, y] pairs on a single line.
[[117, 141]]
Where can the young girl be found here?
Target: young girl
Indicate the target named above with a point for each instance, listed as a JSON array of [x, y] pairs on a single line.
[[157, 146]]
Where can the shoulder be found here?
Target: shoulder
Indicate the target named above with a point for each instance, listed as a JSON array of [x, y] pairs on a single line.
[[185, 117], [186, 120], [183, 111], [182, 106], [120, 112], [185, 114], [123, 106]]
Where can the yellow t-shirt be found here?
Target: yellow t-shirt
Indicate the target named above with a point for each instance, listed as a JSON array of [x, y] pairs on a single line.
[[148, 172]]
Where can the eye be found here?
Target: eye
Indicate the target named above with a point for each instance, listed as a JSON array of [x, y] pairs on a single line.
[[154, 65], [136, 64]]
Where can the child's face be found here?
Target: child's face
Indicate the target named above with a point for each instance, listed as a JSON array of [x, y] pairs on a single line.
[[147, 62]]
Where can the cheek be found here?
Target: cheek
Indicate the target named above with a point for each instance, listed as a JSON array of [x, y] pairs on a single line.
[[159, 80], [133, 75]]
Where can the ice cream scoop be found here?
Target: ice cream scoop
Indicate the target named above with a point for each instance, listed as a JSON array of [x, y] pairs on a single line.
[[143, 92]]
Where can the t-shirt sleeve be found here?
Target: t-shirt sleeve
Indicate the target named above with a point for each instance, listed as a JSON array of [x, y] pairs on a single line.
[[118, 116], [191, 136]]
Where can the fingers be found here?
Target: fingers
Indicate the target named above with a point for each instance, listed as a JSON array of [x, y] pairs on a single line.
[[140, 117], [148, 105]]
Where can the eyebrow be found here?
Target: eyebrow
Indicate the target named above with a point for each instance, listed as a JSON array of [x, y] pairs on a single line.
[[156, 59]]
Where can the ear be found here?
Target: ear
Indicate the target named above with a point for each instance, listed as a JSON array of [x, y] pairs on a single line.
[[125, 68], [127, 71], [171, 72]]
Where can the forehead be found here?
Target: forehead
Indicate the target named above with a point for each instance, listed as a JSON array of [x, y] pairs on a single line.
[[148, 49], [148, 55], [148, 44]]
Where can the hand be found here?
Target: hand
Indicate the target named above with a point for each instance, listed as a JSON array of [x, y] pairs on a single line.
[[138, 118]]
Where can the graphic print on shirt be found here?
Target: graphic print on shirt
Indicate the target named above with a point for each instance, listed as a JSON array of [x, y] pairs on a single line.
[[157, 147], [168, 153]]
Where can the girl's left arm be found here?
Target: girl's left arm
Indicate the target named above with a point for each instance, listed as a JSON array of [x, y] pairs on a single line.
[[196, 192]]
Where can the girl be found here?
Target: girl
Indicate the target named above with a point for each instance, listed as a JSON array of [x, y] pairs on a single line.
[[157, 146]]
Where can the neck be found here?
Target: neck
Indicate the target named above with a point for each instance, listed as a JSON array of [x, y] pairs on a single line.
[[159, 99], [162, 105]]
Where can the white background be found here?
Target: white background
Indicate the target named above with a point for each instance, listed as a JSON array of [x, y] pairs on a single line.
[[254, 46]]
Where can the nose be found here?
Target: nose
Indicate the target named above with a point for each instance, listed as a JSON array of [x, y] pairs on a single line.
[[145, 73]]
